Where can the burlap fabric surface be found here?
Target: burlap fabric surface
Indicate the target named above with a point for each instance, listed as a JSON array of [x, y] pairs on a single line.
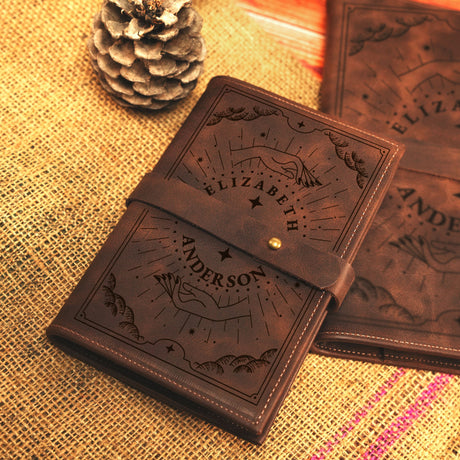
[[69, 157]]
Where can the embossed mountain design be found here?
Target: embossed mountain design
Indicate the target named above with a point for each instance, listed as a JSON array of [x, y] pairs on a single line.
[[377, 297], [231, 363], [119, 309], [189, 299], [246, 365]]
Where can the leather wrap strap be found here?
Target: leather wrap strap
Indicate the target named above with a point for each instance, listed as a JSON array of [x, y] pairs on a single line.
[[322, 270]]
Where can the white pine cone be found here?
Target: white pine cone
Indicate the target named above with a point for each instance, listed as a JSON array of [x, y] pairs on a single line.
[[147, 53]]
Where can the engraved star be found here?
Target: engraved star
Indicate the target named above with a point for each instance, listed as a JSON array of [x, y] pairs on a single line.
[[170, 348], [225, 254], [255, 202], [301, 124]]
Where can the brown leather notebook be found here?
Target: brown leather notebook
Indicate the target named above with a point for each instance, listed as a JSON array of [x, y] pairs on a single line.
[[210, 290], [404, 307], [394, 67]]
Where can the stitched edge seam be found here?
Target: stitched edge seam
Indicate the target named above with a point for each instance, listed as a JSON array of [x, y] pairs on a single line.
[[326, 347], [199, 395], [319, 115], [352, 334]]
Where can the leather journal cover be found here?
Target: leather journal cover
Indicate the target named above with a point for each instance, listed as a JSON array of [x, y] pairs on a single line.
[[209, 291], [404, 307], [394, 67]]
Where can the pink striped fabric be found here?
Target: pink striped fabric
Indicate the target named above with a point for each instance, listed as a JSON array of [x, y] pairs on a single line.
[[401, 424], [359, 415], [420, 407]]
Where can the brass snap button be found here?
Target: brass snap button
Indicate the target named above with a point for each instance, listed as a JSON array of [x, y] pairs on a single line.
[[274, 243]]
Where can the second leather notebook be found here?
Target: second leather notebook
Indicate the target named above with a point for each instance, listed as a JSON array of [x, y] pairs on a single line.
[[211, 288]]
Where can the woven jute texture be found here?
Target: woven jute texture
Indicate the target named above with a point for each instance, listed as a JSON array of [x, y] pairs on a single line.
[[69, 157]]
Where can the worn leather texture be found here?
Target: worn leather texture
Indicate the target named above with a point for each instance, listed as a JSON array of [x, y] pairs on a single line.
[[186, 300], [404, 307], [330, 273], [394, 68]]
